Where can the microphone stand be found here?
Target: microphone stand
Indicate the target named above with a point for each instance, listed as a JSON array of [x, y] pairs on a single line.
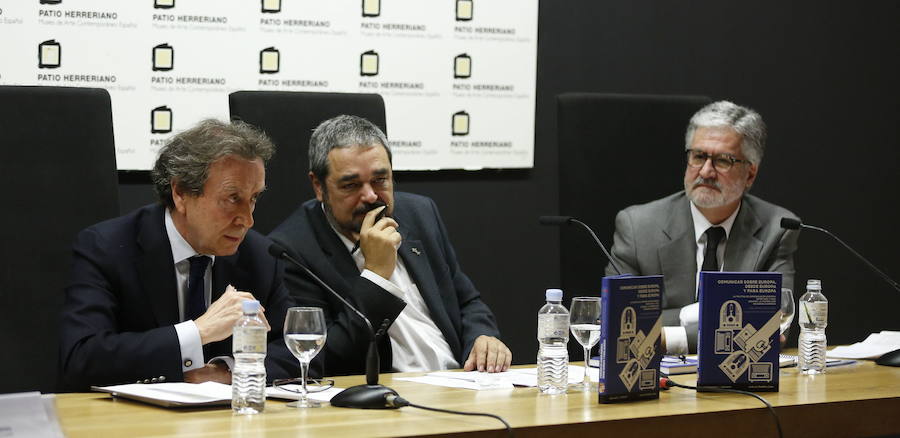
[[371, 395], [568, 220]]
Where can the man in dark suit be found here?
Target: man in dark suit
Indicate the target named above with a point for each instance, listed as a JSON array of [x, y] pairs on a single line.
[[155, 293], [399, 269], [712, 225]]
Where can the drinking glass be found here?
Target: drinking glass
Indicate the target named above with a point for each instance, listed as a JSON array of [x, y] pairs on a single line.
[[304, 334], [787, 309], [584, 321]]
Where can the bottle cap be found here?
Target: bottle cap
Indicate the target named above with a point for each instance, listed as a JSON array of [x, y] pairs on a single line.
[[250, 306], [814, 285], [554, 294]]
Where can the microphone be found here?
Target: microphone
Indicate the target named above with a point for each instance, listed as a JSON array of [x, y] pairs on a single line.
[[568, 220], [795, 224], [368, 396]]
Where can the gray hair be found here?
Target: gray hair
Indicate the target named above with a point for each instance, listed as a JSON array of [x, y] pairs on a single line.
[[186, 158], [342, 132], [746, 122]]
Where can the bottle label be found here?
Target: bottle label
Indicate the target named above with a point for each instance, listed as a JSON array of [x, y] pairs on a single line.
[[815, 313], [552, 326], [251, 340]]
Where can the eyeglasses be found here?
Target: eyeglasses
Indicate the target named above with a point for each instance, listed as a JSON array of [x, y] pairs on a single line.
[[312, 385], [722, 162]]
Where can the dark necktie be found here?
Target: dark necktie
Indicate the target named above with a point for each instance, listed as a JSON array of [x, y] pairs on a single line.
[[196, 301], [714, 235]]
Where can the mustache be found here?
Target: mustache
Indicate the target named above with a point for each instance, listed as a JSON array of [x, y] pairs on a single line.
[[706, 182], [365, 208]]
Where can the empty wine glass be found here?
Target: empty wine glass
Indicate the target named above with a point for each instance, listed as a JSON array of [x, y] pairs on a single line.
[[787, 309], [584, 321], [304, 334]]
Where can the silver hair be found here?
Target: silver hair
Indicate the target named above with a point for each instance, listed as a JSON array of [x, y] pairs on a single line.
[[186, 158], [746, 122], [342, 132]]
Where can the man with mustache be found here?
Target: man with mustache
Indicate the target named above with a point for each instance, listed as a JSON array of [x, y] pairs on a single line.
[[155, 294], [713, 225], [388, 253]]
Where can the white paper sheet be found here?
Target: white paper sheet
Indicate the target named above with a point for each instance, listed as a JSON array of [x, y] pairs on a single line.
[[173, 393], [485, 381], [873, 347], [28, 414]]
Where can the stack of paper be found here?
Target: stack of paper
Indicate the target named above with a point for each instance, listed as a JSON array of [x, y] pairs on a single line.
[[873, 347], [28, 414], [484, 381]]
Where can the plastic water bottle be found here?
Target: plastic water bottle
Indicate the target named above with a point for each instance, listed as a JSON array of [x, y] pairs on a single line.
[[248, 378], [553, 335], [813, 320]]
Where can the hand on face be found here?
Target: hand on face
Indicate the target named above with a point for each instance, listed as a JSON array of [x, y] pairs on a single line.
[[218, 321], [378, 242], [488, 354]]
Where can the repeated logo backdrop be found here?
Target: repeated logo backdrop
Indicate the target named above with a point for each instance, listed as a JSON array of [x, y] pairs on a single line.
[[457, 76]]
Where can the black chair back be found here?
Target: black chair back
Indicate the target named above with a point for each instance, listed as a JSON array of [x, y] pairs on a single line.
[[289, 118], [58, 168]]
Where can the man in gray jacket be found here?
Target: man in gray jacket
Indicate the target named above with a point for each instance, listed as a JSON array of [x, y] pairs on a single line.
[[712, 225]]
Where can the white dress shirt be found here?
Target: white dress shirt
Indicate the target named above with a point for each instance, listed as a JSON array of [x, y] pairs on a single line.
[[187, 331], [676, 337], [417, 344]]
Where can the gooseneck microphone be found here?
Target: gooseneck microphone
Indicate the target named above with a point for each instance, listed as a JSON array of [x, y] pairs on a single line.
[[795, 224], [568, 220], [368, 396]]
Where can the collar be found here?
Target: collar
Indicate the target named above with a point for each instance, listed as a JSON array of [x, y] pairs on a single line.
[[701, 224], [181, 249], [347, 242]]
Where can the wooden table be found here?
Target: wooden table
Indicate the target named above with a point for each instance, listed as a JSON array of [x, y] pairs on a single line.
[[854, 400]]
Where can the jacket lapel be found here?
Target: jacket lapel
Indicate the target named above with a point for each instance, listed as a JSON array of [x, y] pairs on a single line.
[[743, 250], [677, 260], [156, 267], [339, 265], [417, 264]]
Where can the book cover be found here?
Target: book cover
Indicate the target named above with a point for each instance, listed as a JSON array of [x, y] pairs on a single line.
[[630, 348], [740, 316]]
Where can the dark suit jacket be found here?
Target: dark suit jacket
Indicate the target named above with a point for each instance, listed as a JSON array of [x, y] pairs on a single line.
[[122, 303], [454, 303], [658, 238]]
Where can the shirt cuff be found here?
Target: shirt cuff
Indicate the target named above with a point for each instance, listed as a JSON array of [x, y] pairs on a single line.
[[382, 283], [676, 340], [191, 345], [227, 360]]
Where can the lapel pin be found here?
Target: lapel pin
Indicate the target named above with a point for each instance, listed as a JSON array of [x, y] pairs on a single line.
[[415, 251]]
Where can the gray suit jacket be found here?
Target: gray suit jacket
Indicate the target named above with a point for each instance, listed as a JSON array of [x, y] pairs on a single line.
[[658, 238]]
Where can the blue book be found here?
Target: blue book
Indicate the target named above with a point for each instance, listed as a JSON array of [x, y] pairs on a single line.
[[630, 349], [740, 317]]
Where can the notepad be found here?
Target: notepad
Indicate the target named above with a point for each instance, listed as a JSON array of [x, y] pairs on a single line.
[[269, 60], [50, 54], [177, 394], [462, 66], [368, 63], [161, 120], [460, 125], [371, 8], [163, 57]]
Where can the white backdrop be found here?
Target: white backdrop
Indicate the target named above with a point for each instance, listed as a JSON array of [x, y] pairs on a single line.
[[457, 76]]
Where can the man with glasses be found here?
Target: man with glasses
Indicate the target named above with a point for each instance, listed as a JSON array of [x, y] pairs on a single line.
[[713, 225]]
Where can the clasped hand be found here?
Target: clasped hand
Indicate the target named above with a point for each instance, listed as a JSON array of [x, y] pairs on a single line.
[[218, 321]]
